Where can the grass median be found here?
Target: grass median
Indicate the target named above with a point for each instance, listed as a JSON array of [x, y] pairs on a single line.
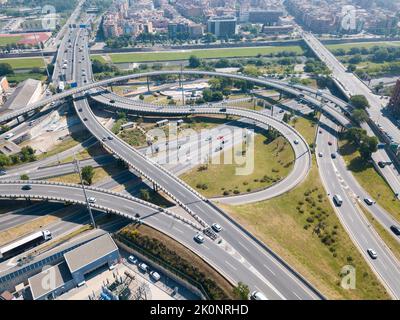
[[273, 161], [370, 180]]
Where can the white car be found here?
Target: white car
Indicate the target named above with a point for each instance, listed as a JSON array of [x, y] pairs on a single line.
[[199, 238], [142, 266], [369, 201], [372, 254], [132, 259], [257, 295], [216, 227], [91, 199], [320, 154], [155, 275]]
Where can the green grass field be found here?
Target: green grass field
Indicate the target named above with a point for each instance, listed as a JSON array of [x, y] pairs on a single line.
[[367, 45], [202, 53], [272, 162], [9, 40], [19, 77], [24, 63]]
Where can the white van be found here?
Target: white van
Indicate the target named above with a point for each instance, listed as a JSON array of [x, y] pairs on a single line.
[[338, 200]]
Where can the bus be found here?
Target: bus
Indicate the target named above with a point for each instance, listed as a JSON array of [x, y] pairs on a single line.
[[19, 246]]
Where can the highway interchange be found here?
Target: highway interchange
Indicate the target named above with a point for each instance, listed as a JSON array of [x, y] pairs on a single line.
[[239, 254]]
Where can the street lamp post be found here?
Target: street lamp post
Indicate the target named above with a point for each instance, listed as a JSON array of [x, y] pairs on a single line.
[[84, 192]]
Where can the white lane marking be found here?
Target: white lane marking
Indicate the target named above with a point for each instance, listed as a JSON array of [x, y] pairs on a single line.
[[230, 265], [265, 266], [296, 295]]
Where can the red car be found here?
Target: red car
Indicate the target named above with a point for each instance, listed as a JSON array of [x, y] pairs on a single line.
[[220, 137]]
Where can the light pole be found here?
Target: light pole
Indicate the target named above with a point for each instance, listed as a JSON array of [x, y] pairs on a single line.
[[84, 192]]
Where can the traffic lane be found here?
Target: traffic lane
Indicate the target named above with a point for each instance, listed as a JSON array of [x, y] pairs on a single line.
[[383, 217], [386, 266]]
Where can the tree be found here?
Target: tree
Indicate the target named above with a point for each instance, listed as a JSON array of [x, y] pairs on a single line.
[[194, 62], [360, 115], [355, 135], [368, 146], [351, 68], [24, 177], [4, 160], [5, 69], [145, 194], [241, 291], [359, 102], [88, 174]]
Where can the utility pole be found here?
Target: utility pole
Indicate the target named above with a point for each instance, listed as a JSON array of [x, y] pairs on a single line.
[[84, 192], [181, 81]]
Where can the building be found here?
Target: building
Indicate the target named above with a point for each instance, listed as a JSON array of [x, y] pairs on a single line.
[[27, 92], [225, 26], [394, 103], [77, 266], [277, 30], [268, 17], [178, 30]]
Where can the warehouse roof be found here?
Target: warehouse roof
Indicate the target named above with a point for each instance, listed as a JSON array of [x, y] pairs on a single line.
[[49, 280], [22, 95], [90, 252]]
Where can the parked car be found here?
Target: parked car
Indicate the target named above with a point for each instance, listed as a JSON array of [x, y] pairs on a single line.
[[2, 173], [155, 275], [142, 266], [132, 259]]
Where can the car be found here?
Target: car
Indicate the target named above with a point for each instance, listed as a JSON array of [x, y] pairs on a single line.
[[330, 143], [257, 295], [372, 254], [110, 138], [320, 154], [2, 173], [112, 101], [84, 119], [395, 229], [220, 137], [368, 201], [296, 141], [381, 164], [281, 111], [216, 227], [199, 238], [333, 155], [320, 131], [26, 187], [192, 110], [103, 139], [142, 266], [132, 259], [155, 275], [80, 109], [91, 199]]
